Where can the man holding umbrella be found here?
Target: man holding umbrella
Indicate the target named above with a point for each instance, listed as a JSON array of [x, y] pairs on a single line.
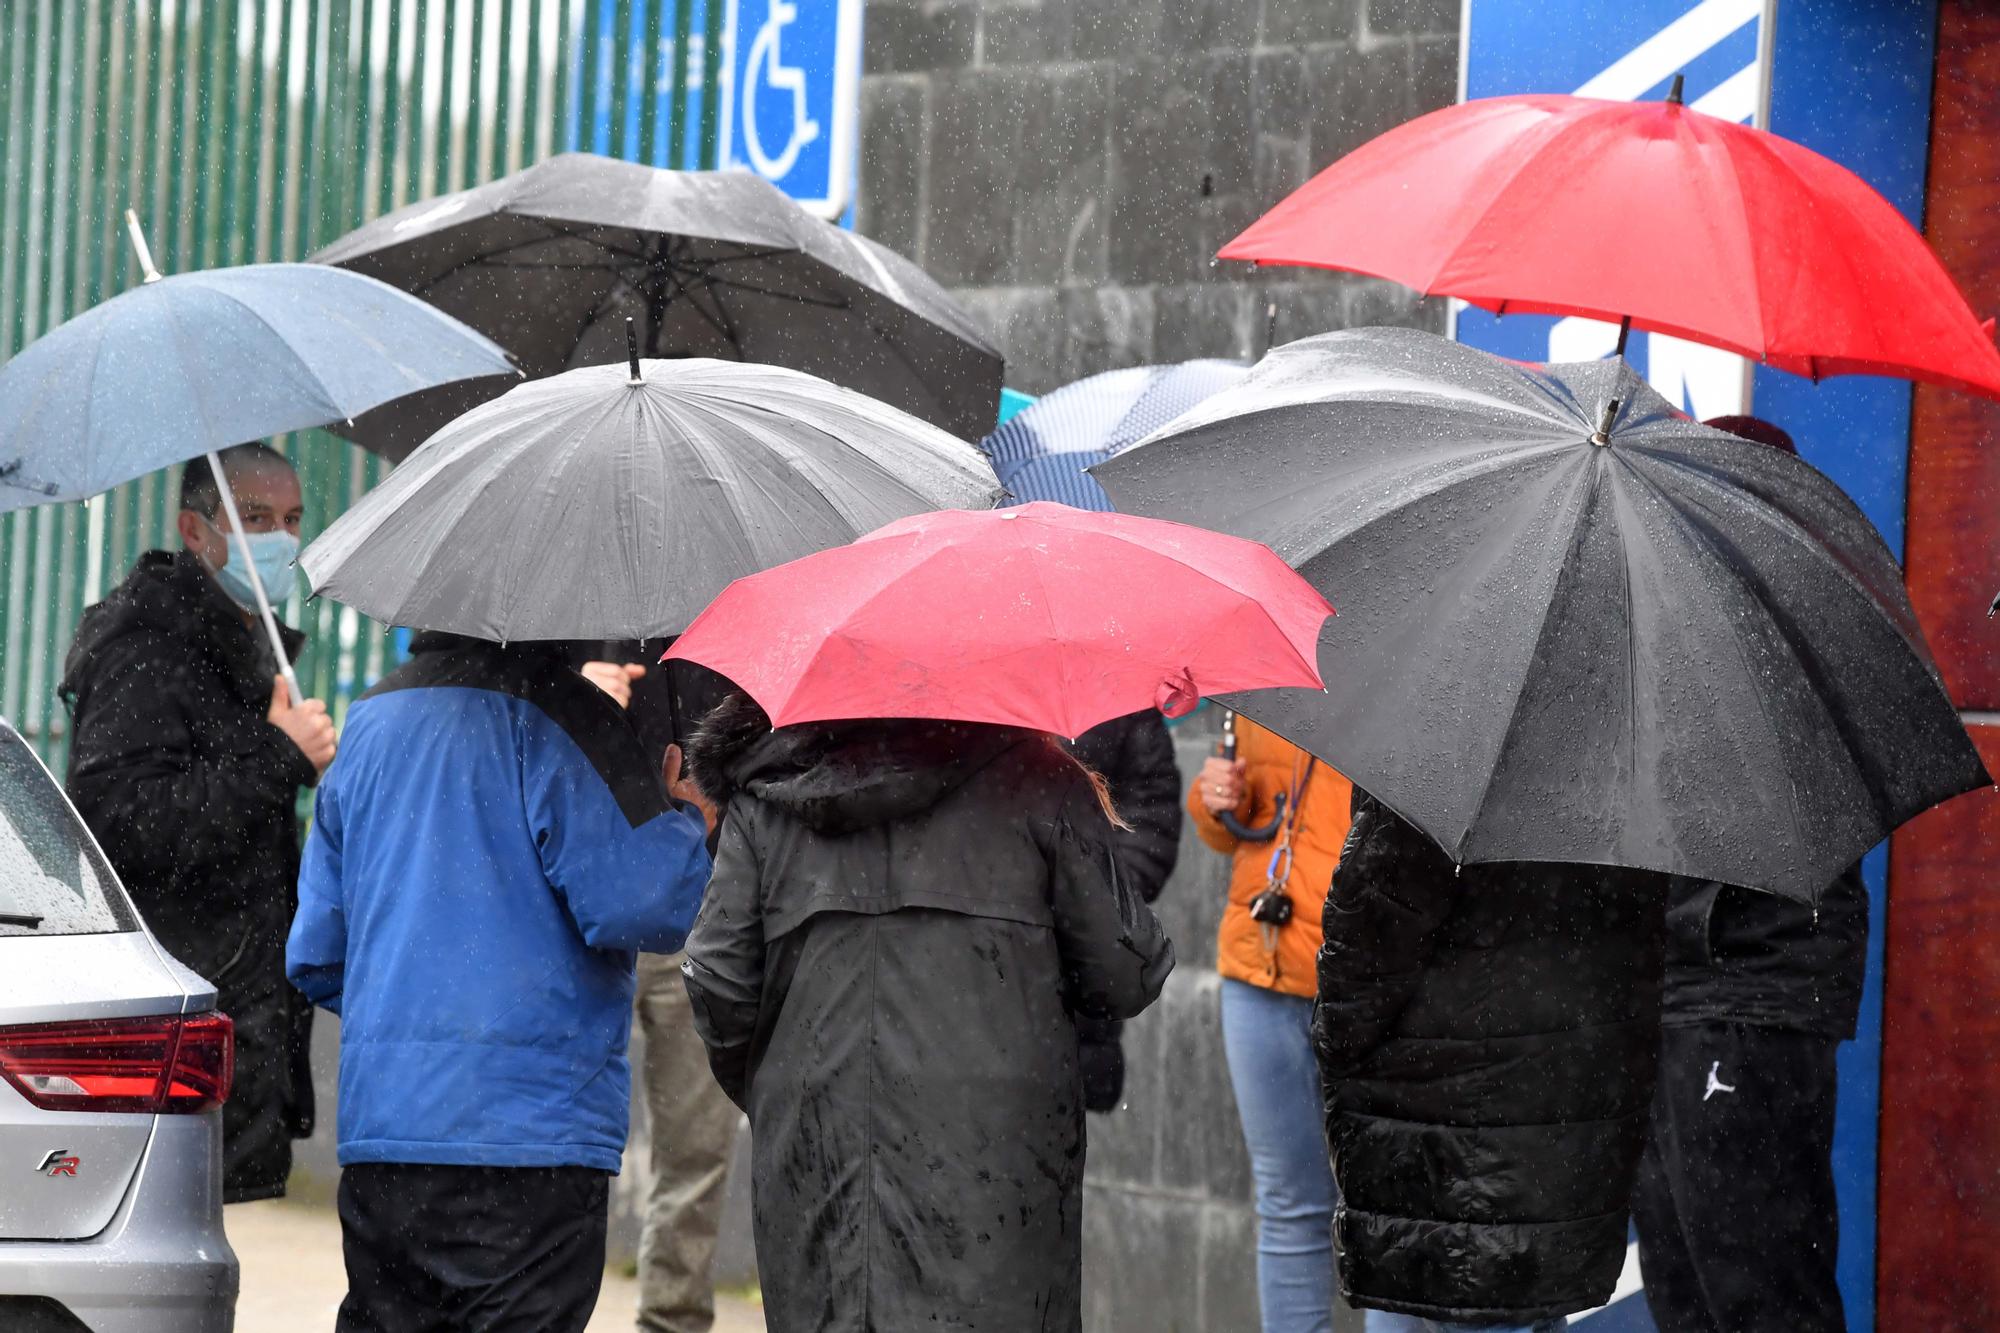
[[186, 761], [486, 860]]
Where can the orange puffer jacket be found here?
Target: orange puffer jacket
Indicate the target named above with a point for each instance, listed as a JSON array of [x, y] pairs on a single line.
[[1273, 765]]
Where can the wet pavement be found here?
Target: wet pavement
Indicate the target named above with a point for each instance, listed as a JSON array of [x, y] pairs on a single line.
[[293, 1280]]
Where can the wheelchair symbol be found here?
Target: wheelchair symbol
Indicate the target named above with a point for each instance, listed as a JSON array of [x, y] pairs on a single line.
[[766, 67]]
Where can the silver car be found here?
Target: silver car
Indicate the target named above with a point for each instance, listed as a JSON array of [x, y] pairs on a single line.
[[113, 1068]]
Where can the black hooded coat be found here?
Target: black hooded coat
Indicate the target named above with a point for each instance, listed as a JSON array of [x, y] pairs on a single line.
[[905, 922], [193, 796], [1487, 1043], [1135, 756]]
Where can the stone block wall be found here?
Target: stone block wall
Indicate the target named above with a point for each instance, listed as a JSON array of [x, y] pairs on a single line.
[[1070, 167]]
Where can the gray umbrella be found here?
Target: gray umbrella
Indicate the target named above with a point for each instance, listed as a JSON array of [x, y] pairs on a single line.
[[198, 361], [187, 365], [614, 502], [1573, 625], [551, 261]]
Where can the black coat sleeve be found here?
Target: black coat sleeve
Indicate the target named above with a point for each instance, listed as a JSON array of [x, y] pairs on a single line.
[[174, 782], [724, 967], [1147, 792], [1391, 892], [1114, 955], [1135, 755]]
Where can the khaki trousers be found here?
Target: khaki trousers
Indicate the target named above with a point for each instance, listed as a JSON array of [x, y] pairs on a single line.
[[691, 1128]]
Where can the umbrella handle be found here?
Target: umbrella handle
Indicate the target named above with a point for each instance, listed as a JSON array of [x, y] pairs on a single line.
[[1227, 818], [256, 579], [1245, 833]]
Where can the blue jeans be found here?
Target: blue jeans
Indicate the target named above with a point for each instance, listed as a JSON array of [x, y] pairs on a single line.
[[1268, 1040]]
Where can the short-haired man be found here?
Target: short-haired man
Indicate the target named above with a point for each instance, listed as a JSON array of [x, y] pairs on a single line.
[[186, 760], [488, 856]]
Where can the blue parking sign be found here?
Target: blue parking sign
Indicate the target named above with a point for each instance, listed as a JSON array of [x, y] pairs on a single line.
[[792, 96]]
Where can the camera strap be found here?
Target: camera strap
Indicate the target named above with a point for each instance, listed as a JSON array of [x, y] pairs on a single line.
[[1278, 871]]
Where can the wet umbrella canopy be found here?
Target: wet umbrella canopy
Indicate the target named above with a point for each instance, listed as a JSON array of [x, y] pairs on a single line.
[[604, 504], [1040, 616], [199, 361], [1539, 204], [1041, 451], [1652, 645], [552, 260]]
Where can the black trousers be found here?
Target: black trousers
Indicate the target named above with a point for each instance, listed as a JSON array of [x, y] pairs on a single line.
[[1738, 1227], [471, 1249]]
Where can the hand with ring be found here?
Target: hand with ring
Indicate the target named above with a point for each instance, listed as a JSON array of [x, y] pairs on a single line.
[[1221, 785]]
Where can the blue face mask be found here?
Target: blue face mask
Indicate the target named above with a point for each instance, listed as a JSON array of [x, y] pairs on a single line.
[[273, 553]]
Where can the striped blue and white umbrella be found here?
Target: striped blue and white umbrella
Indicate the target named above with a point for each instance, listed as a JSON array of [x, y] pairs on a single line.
[[1041, 452]]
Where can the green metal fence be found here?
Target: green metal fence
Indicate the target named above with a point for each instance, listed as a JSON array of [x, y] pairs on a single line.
[[254, 130]]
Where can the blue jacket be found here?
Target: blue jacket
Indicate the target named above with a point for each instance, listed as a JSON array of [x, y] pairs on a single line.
[[488, 852]]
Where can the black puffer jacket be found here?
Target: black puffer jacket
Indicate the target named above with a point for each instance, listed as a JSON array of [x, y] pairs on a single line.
[[1487, 1042], [904, 923], [193, 796], [1136, 756], [1735, 955]]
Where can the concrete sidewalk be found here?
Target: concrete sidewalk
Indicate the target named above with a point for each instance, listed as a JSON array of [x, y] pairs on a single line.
[[293, 1279]]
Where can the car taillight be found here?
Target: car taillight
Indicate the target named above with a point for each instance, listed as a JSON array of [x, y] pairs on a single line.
[[163, 1064]]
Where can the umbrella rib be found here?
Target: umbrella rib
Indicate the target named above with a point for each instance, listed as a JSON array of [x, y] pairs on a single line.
[[719, 321], [1694, 536], [1703, 476], [591, 316], [1697, 535], [733, 284], [719, 260], [532, 266], [1521, 686], [485, 257]]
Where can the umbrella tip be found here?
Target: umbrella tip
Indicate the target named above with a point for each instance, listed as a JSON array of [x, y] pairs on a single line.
[[632, 350], [1602, 436], [1991, 610], [1674, 93]]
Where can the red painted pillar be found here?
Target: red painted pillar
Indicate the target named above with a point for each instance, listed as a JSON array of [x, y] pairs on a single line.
[[1938, 1255]]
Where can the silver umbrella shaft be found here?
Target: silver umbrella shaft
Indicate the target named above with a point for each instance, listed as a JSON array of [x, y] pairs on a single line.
[[242, 540]]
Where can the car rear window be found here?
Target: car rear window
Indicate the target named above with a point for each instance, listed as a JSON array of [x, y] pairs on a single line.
[[53, 881]]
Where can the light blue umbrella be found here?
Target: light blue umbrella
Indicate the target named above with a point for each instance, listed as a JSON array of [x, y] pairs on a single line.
[[185, 366], [1040, 452]]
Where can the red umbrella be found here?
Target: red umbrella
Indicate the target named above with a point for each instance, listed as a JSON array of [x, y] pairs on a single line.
[[1038, 616], [1678, 222]]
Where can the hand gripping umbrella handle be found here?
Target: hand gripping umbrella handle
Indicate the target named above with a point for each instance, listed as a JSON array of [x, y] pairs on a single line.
[[1227, 818], [256, 579]]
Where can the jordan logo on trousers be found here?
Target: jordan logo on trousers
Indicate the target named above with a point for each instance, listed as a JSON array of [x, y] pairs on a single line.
[[1715, 1084]]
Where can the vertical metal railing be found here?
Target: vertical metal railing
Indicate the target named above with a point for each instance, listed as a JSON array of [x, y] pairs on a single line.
[[248, 131]]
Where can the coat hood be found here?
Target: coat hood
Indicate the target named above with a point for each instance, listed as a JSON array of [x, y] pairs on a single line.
[[167, 592], [837, 777]]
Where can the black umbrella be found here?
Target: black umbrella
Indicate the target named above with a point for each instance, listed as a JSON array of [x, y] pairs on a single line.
[[1573, 625], [551, 261]]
